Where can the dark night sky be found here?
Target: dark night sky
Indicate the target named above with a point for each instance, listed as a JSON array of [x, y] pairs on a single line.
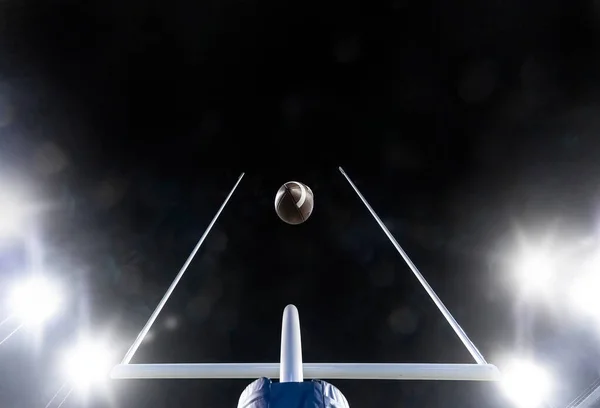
[[463, 123]]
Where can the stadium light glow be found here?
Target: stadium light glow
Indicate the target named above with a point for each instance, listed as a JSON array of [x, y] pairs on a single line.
[[35, 300], [12, 215], [526, 384], [536, 271], [88, 364], [585, 288]]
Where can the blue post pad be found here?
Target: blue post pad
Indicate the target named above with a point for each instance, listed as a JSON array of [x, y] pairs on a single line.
[[264, 393]]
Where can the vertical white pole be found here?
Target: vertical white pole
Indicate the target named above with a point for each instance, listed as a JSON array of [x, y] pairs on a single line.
[[477, 356], [161, 304], [290, 366]]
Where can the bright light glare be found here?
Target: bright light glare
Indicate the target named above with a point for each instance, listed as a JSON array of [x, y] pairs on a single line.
[[525, 384], [536, 271], [88, 364], [584, 292], [35, 300], [11, 216]]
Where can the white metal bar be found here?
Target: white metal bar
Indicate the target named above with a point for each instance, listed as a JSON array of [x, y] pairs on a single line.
[[453, 323], [347, 371], [591, 399], [161, 304], [290, 369]]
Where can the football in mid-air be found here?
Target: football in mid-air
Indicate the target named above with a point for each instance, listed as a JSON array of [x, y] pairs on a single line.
[[294, 202]]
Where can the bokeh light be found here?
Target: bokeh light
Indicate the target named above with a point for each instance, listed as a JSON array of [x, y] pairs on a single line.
[[12, 215], [585, 288], [525, 383], [88, 363], [536, 271], [35, 300]]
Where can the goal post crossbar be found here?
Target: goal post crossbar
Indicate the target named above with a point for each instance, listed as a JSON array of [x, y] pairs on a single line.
[[325, 371]]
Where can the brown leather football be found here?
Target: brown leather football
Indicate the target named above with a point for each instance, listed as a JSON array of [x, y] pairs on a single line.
[[294, 202]]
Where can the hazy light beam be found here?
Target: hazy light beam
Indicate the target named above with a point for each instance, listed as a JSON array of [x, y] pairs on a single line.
[[10, 335]]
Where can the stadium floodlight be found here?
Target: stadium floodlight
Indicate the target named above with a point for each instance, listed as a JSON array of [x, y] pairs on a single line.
[[12, 215], [536, 271], [291, 368], [88, 363], [525, 383], [35, 300], [584, 289]]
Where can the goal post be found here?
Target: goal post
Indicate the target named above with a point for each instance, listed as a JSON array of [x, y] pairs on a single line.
[[291, 368]]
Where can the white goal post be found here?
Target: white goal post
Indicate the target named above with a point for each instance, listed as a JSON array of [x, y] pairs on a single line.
[[291, 367]]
